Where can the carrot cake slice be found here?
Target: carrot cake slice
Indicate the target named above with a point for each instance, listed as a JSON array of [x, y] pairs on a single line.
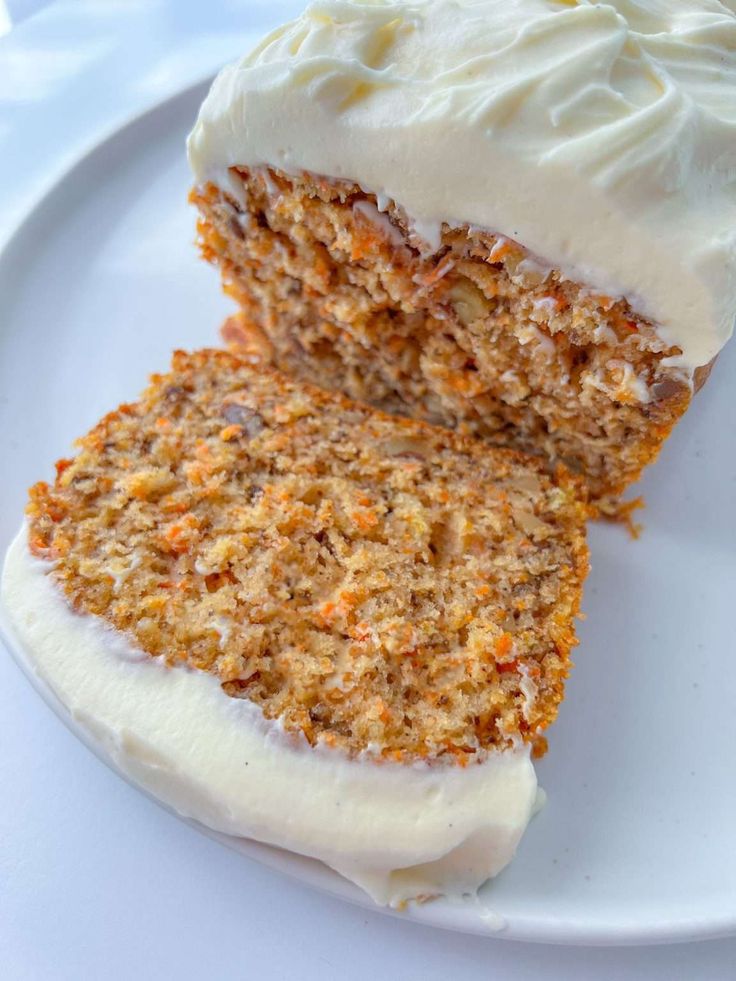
[[297, 619], [513, 216]]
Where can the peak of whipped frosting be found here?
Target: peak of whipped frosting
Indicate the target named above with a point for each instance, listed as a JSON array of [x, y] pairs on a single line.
[[600, 136]]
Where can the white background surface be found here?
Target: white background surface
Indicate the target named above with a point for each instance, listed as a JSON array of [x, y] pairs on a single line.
[[95, 881]]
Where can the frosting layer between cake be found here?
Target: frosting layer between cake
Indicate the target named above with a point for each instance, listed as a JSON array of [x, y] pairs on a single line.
[[398, 831], [601, 136]]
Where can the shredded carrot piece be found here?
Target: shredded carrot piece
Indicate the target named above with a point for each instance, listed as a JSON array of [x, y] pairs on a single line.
[[504, 645], [229, 433], [365, 519]]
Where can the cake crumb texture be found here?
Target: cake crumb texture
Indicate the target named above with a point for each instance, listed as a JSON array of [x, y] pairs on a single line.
[[376, 583], [476, 334]]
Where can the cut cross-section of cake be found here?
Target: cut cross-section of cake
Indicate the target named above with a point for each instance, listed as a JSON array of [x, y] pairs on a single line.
[[297, 619], [516, 216]]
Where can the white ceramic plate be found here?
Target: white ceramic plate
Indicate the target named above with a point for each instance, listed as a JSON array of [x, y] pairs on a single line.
[[101, 281]]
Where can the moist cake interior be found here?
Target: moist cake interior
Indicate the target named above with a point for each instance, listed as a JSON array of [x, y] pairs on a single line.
[[475, 334], [376, 583]]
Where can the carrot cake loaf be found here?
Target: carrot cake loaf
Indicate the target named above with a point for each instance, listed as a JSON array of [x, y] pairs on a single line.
[[513, 216], [295, 618]]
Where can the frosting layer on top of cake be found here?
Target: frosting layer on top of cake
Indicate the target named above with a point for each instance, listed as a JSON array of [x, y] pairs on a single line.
[[601, 136]]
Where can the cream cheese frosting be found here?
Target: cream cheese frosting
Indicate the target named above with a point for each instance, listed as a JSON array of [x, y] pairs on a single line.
[[600, 136], [398, 831]]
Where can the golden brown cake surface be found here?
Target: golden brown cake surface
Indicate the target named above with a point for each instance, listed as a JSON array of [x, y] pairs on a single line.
[[476, 334], [377, 583]]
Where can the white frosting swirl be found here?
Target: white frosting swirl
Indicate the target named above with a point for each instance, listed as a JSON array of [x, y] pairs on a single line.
[[398, 831], [601, 136]]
